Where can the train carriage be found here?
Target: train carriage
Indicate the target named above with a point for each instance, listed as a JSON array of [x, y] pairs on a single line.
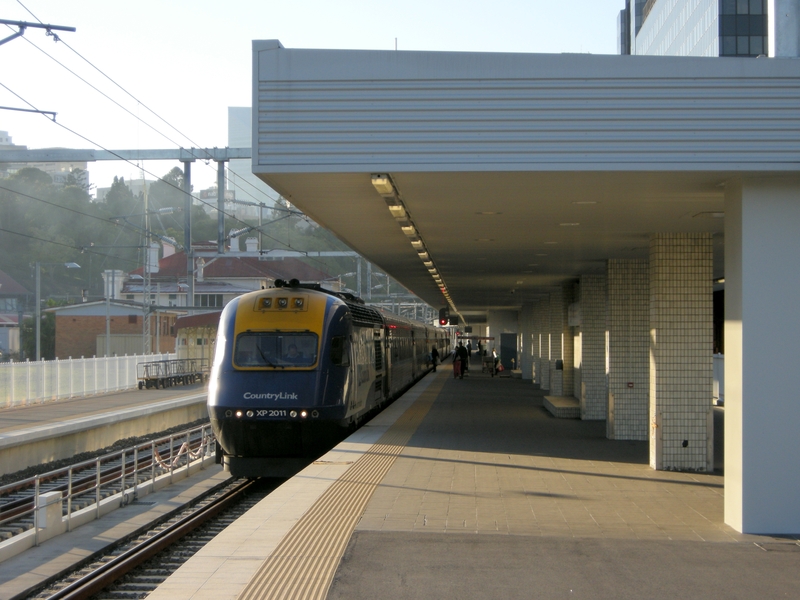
[[296, 365]]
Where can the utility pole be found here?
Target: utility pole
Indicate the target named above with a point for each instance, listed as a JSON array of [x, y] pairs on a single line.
[[220, 207], [187, 231], [146, 344]]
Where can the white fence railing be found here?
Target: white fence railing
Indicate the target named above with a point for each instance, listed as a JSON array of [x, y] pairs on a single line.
[[28, 382]]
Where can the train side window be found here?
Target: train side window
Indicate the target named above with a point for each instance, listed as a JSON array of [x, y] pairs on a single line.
[[340, 354]]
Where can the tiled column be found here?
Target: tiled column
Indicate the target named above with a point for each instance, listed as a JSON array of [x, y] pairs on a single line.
[[593, 392], [526, 329], [536, 341], [577, 341], [556, 332], [544, 362], [681, 351], [762, 330], [567, 341], [628, 349]]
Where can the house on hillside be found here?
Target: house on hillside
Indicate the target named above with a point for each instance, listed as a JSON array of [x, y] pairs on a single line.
[[13, 298], [218, 279]]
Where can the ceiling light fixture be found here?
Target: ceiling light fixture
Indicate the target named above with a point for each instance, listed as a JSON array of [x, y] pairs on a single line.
[[384, 185]]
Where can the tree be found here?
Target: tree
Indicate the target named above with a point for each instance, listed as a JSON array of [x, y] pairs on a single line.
[[120, 200], [168, 191], [47, 341]]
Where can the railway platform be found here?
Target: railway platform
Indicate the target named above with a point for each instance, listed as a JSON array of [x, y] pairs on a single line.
[[471, 489], [39, 433]]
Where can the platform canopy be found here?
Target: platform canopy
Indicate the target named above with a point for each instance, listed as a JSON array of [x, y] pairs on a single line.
[[518, 172]]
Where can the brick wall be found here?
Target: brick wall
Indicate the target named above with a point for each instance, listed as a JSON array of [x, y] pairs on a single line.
[[76, 336]]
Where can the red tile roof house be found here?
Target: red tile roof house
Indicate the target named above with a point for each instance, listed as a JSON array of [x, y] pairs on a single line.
[[218, 280]]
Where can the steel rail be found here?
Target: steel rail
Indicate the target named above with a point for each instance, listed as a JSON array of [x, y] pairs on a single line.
[[108, 573]]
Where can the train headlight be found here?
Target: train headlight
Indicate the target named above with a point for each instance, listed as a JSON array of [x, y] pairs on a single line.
[[315, 413], [266, 303], [250, 413], [298, 302], [293, 414], [238, 414], [228, 413], [303, 414], [283, 302]]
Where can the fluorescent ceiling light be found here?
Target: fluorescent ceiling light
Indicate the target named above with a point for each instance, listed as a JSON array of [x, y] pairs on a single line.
[[417, 244], [383, 185], [397, 210]]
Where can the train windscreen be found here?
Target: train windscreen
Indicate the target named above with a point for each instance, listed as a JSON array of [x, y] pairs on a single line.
[[273, 349]]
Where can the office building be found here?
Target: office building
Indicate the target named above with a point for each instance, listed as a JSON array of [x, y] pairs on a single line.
[[744, 28]]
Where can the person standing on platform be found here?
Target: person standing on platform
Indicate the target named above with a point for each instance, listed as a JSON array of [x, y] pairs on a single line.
[[434, 357]]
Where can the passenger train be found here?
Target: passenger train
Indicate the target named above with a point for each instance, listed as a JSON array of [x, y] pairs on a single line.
[[296, 365]]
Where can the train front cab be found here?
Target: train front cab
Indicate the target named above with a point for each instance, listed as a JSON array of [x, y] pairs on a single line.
[[272, 406]]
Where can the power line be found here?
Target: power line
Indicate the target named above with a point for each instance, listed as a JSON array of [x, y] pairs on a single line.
[[58, 39], [213, 207], [83, 214], [81, 249]]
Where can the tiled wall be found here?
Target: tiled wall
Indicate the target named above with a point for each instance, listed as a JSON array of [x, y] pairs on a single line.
[[593, 392], [681, 348], [628, 348]]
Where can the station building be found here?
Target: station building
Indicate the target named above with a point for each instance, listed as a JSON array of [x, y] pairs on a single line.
[[586, 204]]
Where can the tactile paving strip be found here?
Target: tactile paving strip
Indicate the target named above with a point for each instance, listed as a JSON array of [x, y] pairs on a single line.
[[305, 561]]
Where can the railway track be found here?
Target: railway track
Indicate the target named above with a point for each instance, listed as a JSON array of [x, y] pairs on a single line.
[[136, 568], [88, 483]]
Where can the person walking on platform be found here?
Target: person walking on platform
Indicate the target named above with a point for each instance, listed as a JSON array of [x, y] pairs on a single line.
[[434, 357], [461, 359]]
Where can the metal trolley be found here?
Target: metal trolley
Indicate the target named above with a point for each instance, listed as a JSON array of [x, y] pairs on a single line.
[[166, 373]]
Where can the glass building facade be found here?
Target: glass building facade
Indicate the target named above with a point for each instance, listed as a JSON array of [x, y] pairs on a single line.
[[697, 27]]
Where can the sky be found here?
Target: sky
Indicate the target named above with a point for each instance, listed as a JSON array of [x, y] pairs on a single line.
[[187, 61]]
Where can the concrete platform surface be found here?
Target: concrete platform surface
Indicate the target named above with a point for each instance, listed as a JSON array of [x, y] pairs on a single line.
[[471, 489]]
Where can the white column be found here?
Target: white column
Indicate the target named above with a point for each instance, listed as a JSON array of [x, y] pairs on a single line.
[[762, 412]]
